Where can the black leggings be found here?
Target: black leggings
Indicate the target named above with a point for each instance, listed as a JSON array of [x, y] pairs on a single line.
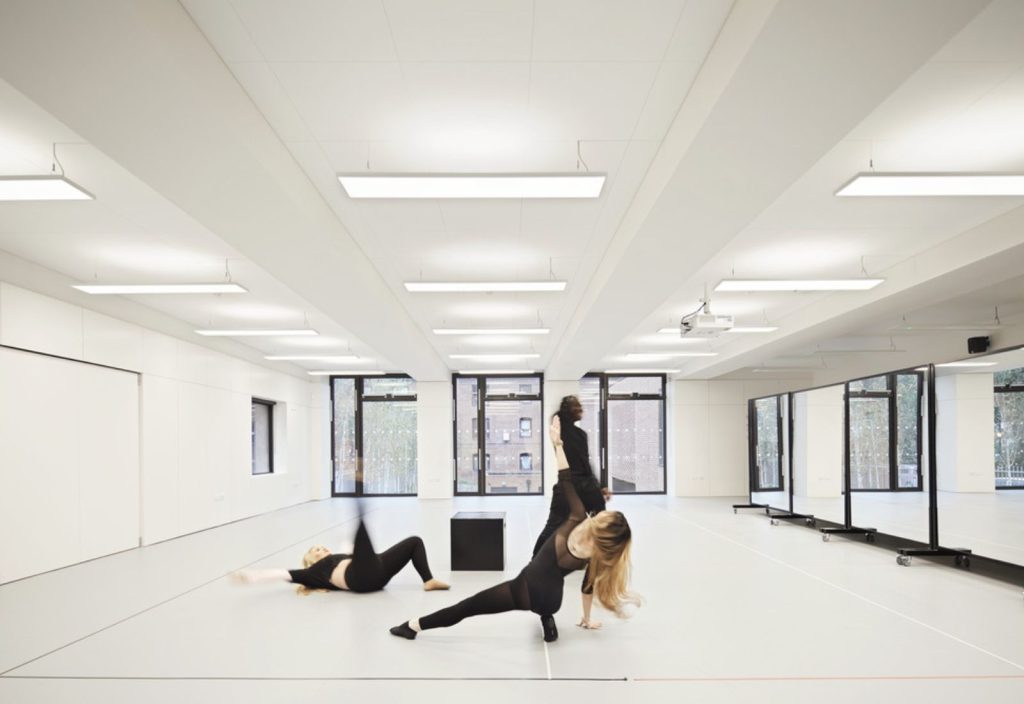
[[507, 596], [369, 572]]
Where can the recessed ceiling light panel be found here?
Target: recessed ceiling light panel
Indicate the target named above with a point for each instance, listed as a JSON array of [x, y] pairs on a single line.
[[585, 185], [143, 289], [873, 184], [25, 188]]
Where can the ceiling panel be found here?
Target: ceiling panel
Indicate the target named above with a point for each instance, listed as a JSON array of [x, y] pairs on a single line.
[[697, 30], [318, 30], [604, 30], [461, 30]]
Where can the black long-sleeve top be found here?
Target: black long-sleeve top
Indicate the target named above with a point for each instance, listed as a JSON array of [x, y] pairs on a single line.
[[577, 449]]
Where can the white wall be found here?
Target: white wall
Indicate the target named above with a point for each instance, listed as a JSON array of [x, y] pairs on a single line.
[[965, 451], [709, 420], [193, 419], [435, 455]]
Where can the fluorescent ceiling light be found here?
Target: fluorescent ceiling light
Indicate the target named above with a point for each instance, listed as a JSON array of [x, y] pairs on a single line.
[[322, 358], [491, 331], [667, 355], [934, 185], [583, 185], [492, 372], [40, 188], [482, 287], [675, 331], [641, 371], [495, 357], [345, 372], [731, 285], [99, 289], [967, 364], [256, 333]]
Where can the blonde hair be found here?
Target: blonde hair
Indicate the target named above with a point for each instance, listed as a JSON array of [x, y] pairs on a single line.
[[308, 561], [609, 563]]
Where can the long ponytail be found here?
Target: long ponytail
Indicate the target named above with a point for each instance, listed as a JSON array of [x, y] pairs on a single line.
[[610, 565]]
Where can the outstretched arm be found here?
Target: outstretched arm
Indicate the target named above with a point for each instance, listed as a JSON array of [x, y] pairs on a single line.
[[260, 576]]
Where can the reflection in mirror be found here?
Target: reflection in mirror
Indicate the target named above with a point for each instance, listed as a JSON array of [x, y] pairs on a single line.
[[980, 455], [769, 486], [818, 453], [888, 488]]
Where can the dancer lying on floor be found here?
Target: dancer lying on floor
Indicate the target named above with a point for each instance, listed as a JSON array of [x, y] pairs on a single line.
[[362, 571], [603, 542]]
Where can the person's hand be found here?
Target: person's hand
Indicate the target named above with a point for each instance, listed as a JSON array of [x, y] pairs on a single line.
[[589, 625], [607, 494], [555, 431]]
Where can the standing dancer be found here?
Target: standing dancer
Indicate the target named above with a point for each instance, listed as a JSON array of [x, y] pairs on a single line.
[[591, 493], [362, 571], [602, 541]]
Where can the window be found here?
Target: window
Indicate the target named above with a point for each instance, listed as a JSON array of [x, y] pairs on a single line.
[[262, 437], [624, 417], [1009, 428], [767, 444], [374, 429], [884, 417], [525, 427], [510, 406]]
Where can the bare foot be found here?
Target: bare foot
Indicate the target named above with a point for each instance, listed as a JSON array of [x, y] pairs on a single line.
[[242, 577], [432, 584], [589, 625]]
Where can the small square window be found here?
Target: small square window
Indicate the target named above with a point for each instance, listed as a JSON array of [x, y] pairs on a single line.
[[525, 462], [525, 427]]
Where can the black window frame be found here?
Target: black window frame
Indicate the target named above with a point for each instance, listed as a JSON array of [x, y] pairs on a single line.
[[1006, 389], [482, 429], [604, 397], [889, 393], [360, 399], [752, 440], [270, 439]]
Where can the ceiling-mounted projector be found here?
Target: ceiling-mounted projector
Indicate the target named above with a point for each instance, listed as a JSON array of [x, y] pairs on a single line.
[[704, 325]]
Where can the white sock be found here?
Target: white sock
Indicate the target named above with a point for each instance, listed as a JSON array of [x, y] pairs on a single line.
[[415, 625]]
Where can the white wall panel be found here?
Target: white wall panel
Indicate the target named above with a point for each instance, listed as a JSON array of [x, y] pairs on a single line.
[[40, 323], [112, 342], [160, 516], [434, 450], [107, 403]]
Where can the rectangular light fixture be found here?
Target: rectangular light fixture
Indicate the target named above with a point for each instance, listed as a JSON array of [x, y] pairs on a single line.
[[256, 333], [675, 331], [344, 372], [482, 287], [15, 188], [934, 184], [641, 371], [307, 358], [752, 285], [101, 289], [493, 372], [967, 364], [584, 185], [495, 357], [668, 355], [491, 331]]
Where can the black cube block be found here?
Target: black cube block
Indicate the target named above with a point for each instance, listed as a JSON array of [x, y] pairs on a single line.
[[478, 540]]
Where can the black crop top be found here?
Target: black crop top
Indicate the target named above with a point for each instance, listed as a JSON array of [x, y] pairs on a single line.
[[318, 575]]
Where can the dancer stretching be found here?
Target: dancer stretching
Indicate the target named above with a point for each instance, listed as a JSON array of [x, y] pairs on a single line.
[[602, 542], [362, 571]]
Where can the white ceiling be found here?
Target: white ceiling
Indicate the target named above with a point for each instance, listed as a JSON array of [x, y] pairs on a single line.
[[214, 130]]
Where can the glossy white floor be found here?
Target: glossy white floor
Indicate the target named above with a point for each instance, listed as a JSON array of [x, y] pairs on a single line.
[[737, 610]]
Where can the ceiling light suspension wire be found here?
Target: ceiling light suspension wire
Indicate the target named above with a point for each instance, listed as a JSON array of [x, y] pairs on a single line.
[[56, 162], [579, 156]]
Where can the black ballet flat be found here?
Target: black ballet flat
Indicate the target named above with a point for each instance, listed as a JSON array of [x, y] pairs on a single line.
[[403, 630], [550, 629]]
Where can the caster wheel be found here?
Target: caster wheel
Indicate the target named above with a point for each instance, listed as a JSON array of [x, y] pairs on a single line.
[[774, 522], [903, 560], [958, 560], [967, 562], [735, 511], [870, 537], [809, 521], [826, 537]]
